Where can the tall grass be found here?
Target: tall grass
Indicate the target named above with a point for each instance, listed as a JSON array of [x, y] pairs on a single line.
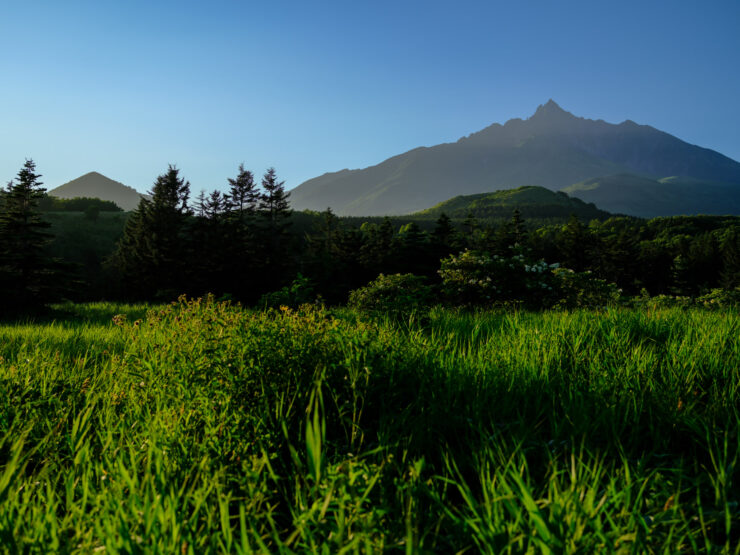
[[205, 428]]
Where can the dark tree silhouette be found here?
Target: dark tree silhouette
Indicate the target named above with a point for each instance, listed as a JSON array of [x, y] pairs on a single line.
[[275, 220], [152, 255], [243, 194], [27, 274]]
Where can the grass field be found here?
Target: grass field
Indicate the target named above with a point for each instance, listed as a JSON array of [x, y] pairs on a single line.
[[203, 428]]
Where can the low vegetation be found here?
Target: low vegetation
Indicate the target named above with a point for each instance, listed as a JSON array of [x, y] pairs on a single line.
[[199, 426]]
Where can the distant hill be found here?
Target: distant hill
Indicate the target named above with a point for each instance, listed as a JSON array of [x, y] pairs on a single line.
[[648, 198], [532, 203], [553, 149], [96, 185]]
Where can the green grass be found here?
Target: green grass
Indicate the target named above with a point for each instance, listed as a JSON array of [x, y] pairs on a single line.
[[205, 428]]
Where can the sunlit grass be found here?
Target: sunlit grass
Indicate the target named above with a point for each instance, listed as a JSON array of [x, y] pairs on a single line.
[[202, 427]]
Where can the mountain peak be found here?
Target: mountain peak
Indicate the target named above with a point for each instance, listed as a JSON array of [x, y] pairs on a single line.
[[96, 185], [550, 110]]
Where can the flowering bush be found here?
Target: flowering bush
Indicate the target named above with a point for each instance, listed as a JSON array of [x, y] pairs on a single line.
[[720, 298], [392, 294], [583, 290], [476, 278]]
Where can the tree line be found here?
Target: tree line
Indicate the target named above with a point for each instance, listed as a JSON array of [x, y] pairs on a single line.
[[242, 244]]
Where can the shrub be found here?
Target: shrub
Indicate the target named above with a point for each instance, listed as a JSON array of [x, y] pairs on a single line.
[[583, 290], [392, 294], [720, 298], [299, 292], [476, 278]]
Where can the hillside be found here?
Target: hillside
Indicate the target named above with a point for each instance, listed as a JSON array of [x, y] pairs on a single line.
[[553, 149], [532, 202], [648, 198], [96, 185]]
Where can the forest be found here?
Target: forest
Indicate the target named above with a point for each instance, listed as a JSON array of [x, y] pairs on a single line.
[[247, 245]]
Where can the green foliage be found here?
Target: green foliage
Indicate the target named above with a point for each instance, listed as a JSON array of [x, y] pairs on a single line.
[[474, 278], [530, 201], [205, 428], [298, 293], [583, 290], [49, 203], [720, 298], [396, 294]]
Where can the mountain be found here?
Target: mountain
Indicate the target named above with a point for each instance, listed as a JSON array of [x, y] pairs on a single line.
[[649, 198], [553, 149], [96, 185], [532, 202]]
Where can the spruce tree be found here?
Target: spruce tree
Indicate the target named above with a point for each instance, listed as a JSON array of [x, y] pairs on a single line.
[[416, 256], [241, 242], [243, 194], [27, 277], [273, 202], [275, 219], [379, 252], [211, 260], [152, 255]]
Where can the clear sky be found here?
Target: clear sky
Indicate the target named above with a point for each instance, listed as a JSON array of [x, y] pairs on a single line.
[[125, 88]]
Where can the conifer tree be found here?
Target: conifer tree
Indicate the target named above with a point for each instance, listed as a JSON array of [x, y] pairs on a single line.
[[574, 244], [151, 256], [445, 240], [243, 194], [273, 202], [415, 254], [242, 245], [211, 260], [323, 259], [379, 251], [27, 277], [275, 219]]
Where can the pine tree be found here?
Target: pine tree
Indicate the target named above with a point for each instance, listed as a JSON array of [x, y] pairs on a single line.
[[211, 260], [415, 255], [380, 250], [242, 242], [26, 272], [574, 244], [444, 237], [243, 195], [152, 255], [518, 228], [275, 213], [323, 261], [273, 202]]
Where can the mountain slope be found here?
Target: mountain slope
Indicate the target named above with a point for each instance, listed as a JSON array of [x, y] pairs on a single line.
[[532, 202], [553, 149], [649, 198], [96, 185]]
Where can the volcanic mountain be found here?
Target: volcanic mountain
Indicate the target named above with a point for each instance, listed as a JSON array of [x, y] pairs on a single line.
[[552, 148], [96, 185]]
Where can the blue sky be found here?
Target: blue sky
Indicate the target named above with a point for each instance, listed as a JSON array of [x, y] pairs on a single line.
[[125, 88]]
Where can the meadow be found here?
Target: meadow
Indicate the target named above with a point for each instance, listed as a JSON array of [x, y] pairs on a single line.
[[200, 427]]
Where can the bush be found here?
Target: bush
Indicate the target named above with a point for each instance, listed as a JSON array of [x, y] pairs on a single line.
[[393, 294], [299, 292], [720, 298], [583, 290], [476, 278]]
